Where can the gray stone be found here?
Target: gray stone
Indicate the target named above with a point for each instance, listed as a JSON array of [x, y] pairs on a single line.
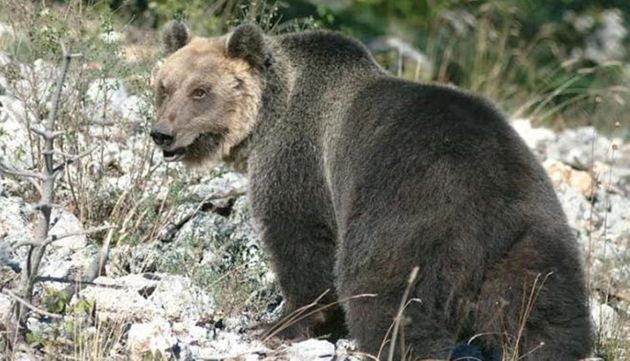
[[606, 319], [112, 37], [135, 109], [229, 346], [226, 183], [606, 43], [14, 225], [581, 147], [65, 223], [14, 133], [5, 306], [3, 84], [537, 139], [5, 59], [346, 350], [107, 93], [144, 297], [311, 349], [6, 31], [578, 211], [150, 339], [37, 83], [614, 210]]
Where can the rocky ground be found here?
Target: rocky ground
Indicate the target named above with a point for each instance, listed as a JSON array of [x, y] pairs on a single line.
[[186, 275]]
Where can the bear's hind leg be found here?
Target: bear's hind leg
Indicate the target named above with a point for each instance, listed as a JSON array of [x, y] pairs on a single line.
[[536, 301], [371, 321]]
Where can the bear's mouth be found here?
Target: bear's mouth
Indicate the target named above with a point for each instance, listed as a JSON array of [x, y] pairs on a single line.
[[174, 155], [204, 143]]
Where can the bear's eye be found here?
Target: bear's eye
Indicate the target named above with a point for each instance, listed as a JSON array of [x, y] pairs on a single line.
[[161, 94], [198, 93]]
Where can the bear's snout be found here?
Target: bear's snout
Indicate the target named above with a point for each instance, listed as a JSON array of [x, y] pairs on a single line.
[[162, 137]]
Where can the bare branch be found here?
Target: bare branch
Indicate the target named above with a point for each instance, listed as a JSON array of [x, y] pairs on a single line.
[[50, 125], [46, 134], [36, 251], [30, 306], [35, 184], [31, 177], [40, 206], [54, 238], [18, 172], [72, 158]]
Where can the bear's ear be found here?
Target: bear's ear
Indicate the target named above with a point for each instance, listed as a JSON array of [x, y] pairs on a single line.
[[175, 36], [247, 42]]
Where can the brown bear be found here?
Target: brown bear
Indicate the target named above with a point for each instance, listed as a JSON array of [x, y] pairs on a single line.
[[357, 178]]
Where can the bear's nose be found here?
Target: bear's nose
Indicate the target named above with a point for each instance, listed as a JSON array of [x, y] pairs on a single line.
[[162, 137]]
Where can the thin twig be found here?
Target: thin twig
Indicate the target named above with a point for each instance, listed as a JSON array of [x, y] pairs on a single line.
[[403, 304], [28, 305], [300, 314], [54, 238], [46, 134], [19, 172], [72, 158]]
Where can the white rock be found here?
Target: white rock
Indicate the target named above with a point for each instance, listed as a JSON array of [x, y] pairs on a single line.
[[4, 58], [118, 301], [5, 306], [111, 150], [347, 350], [581, 147], [67, 223], [72, 267], [3, 85], [112, 37], [606, 42], [223, 184], [134, 109], [70, 257], [311, 349], [109, 93], [6, 30], [143, 297], [616, 210], [149, 339], [14, 134], [578, 211], [538, 139], [605, 318], [189, 333], [228, 345], [38, 80], [13, 220], [180, 299]]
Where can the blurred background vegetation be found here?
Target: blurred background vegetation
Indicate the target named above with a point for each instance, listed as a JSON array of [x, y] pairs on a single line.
[[560, 63]]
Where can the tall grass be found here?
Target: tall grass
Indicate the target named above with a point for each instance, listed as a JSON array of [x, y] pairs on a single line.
[[484, 50]]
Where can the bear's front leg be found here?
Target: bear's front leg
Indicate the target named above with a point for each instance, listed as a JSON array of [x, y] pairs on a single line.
[[303, 257]]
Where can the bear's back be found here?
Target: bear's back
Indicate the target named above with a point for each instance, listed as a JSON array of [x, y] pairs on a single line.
[[328, 50]]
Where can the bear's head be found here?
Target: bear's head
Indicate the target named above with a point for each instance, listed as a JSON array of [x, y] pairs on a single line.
[[207, 93]]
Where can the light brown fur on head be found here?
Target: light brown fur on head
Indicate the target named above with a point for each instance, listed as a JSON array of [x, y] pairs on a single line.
[[207, 100]]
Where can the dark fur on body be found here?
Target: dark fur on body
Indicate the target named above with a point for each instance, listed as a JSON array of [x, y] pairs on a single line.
[[357, 177]]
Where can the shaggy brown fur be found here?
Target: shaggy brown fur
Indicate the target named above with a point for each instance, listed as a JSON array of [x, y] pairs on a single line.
[[357, 177]]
